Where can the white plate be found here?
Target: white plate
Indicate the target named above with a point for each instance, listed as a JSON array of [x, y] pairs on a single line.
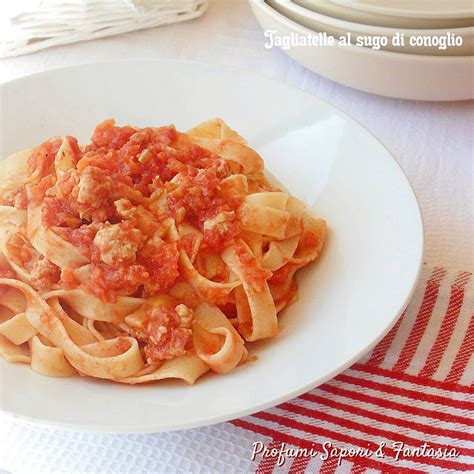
[[348, 301], [327, 7], [414, 8], [405, 76], [336, 27]]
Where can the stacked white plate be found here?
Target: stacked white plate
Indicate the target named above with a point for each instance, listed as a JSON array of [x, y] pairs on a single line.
[[434, 61]]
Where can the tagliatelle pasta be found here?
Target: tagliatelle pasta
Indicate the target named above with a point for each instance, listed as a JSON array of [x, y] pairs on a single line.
[[145, 255]]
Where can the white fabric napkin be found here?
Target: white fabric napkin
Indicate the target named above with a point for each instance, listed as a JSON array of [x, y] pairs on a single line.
[[30, 25]]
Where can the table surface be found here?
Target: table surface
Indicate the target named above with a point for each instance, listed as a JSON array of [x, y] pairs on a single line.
[[433, 142]]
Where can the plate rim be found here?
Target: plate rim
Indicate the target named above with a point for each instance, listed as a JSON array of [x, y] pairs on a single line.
[[369, 29], [207, 421], [403, 12]]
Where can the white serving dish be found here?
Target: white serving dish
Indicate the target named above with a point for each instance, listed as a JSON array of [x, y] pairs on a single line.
[[414, 9], [347, 301], [336, 27], [405, 76], [343, 12]]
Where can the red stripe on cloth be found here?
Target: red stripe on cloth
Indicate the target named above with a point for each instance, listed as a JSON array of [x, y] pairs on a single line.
[[267, 464], [334, 435], [358, 469], [405, 392], [402, 407], [456, 299], [380, 350], [328, 466], [463, 355], [364, 428], [426, 309], [416, 379], [304, 443], [299, 465], [429, 429]]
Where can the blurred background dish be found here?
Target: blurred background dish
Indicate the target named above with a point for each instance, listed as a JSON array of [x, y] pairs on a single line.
[[405, 76], [336, 27], [413, 9], [344, 12]]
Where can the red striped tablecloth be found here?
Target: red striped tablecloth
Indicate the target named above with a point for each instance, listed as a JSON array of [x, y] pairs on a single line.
[[414, 390]]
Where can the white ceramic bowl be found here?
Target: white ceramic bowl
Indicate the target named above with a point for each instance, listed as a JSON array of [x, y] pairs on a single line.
[[347, 302], [336, 27], [344, 12], [405, 76]]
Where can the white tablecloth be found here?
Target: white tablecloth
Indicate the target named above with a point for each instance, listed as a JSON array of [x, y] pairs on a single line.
[[433, 142]]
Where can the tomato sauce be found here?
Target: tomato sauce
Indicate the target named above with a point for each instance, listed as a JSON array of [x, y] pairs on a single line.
[[256, 275], [134, 164], [187, 243], [68, 279], [281, 275], [161, 265], [165, 338], [82, 238], [106, 282], [58, 211], [39, 190], [42, 158], [308, 240]]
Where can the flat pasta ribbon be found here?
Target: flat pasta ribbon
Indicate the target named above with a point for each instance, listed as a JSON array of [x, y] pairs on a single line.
[[89, 306], [111, 359], [255, 307], [207, 289], [216, 341], [48, 243], [188, 368], [147, 254]]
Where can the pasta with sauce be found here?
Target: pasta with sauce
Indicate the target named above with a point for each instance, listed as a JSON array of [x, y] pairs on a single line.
[[147, 254]]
